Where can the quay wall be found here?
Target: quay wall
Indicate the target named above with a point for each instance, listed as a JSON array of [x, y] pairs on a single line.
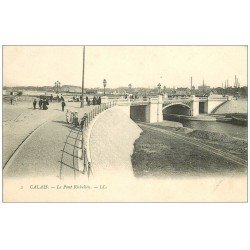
[[111, 144]]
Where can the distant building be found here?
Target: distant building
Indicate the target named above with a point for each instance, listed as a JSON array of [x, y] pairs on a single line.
[[91, 91], [182, 91], [70, 88], [204, 88]]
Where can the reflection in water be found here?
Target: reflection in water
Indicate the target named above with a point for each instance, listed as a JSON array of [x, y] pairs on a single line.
[[220, 127]]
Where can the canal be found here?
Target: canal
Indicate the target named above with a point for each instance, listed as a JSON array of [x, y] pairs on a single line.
[[220, 127], [234, 106]]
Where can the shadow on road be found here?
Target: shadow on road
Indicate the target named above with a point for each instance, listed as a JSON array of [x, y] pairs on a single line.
[[70, 126]]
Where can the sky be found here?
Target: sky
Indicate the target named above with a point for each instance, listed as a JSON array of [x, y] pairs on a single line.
[[141, 66]]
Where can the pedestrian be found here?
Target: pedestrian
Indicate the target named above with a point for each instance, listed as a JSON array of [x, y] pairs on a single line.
[[87, 99], [44, 105], [83, 121], [67, 116], [51, 98], [76, 123], [40, 103], [63, 105], [94, 100], [100, 100], [34, 103], [71, 117]]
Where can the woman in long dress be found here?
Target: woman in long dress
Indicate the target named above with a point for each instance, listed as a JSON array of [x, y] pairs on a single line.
[[71, 117], [76, 123], [67, 116]]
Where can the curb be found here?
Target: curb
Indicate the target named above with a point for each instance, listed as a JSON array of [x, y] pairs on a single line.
[[20, 146]]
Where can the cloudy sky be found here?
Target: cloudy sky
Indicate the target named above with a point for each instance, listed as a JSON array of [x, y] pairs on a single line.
[[141, 66]]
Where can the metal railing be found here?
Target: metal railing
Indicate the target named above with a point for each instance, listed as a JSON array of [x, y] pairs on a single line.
[[70, 141], [71, 145], [87, 168]]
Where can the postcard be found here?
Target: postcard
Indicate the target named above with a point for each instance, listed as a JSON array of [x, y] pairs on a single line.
[[89, 123]]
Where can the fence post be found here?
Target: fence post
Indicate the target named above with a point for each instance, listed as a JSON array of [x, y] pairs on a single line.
[[82, 146], [84, 162]]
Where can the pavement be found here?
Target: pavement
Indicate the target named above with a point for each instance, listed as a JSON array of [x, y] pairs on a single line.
[[33, 140], [111, 145]]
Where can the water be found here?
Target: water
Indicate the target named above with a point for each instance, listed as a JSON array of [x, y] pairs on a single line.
[[234, 106], [220, 127]]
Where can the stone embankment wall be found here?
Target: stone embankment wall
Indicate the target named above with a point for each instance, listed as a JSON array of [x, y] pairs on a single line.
[[233, 106], [111, 144]]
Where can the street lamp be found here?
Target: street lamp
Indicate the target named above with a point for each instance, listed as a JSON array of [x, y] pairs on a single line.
[[57, 85], [130, 87], [159, 87], [104, 85]]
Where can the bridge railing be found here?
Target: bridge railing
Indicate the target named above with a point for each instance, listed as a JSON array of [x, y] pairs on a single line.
[[85, 156]]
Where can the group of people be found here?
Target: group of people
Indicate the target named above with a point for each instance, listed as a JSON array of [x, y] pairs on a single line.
[[72, 118], [57, 98], [42, 103], [95, 101]]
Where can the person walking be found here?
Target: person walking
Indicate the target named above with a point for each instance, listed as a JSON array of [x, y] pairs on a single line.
[[94, 100], [83, 120], [76, 123], [71, 117], [63, 105], [44, 105], [67, 116], [40, 103], [11, 98], [34, 103]]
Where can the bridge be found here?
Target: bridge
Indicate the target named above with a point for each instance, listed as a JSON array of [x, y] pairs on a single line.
[[152, 109]]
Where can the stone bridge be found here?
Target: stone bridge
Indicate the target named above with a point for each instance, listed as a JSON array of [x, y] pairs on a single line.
[[151, 109]]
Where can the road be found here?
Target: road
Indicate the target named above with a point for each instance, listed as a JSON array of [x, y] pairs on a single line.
[[34, 139]]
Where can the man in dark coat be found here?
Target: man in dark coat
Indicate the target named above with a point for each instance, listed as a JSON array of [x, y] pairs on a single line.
[[45, 105], [63, 105], [83, 120], [40, 103], [34, 103]]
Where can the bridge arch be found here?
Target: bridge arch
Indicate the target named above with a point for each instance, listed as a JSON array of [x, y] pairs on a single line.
[[177, 109]]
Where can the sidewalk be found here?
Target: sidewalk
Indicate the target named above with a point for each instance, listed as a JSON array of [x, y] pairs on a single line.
[[40, 153]]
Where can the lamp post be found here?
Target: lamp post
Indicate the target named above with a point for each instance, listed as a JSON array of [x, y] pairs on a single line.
[[57, 86], [104, 85], [159, 88], [130, 87], [83, 69]]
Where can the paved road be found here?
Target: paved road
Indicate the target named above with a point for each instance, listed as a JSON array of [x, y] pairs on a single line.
[[40, 154]]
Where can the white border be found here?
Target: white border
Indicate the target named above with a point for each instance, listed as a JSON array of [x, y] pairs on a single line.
[[125, 226]]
